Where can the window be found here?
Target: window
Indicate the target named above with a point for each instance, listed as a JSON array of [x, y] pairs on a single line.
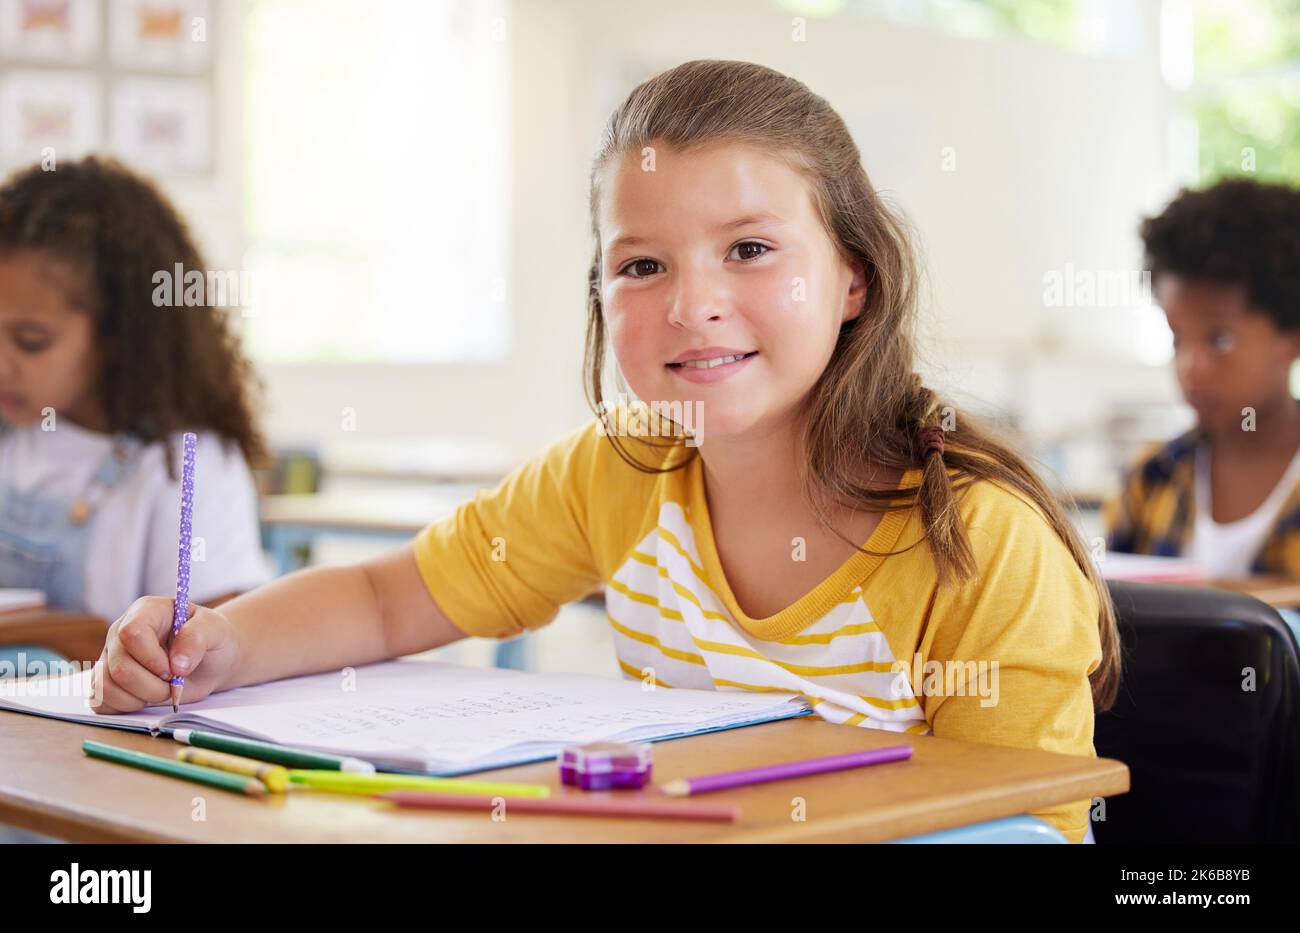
[[1085, 26], [376, 180], [1245, 99]]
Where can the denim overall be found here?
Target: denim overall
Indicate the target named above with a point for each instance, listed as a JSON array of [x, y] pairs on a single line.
[[43, 542], [43, 546]]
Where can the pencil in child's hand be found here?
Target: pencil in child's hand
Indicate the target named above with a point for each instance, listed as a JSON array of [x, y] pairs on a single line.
[[181, 611]]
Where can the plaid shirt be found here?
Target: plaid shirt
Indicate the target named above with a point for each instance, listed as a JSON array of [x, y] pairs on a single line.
[[1156, 509]]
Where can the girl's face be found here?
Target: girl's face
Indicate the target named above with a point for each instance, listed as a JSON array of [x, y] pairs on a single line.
[[714, 254], [46, 358]]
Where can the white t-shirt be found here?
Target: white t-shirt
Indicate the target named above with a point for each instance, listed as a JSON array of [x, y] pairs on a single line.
[[131, 551], [1226, 550]]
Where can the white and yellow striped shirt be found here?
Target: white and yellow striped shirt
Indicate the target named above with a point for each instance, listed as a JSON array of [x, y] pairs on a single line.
[[876, 644]]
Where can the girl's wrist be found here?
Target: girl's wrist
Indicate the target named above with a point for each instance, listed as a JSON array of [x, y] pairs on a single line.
[[230, 680]]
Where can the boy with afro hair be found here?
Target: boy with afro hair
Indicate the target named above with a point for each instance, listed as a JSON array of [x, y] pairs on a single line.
[[1225, 263]]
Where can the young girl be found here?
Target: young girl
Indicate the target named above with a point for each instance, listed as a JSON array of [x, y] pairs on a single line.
[[820, 533], [96, 384]]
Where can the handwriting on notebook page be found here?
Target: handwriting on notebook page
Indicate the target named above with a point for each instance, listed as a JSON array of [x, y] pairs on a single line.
[[476, 722]]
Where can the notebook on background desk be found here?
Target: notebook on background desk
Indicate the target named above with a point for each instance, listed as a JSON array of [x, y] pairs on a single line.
[[11, 599], [1147, 568], [428, 717]]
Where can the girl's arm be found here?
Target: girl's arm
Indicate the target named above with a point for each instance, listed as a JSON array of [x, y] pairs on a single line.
[[326, 618], [313, 620], [216, 601]]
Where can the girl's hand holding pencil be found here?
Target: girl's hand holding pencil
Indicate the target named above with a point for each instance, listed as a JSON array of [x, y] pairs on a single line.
[[135, 670]]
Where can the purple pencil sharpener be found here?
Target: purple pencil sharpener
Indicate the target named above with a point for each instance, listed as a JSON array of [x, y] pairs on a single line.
[[605, 765]]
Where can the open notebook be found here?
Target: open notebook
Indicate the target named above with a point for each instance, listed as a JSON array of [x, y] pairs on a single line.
[[426, 716]]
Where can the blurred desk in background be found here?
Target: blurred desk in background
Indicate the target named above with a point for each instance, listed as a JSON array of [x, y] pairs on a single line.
[[77, 636], [424, 462], [1278, 592], [291, 522]]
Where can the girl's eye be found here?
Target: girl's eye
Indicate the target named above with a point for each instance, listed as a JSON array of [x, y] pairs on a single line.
[[641, 266], [1224, 341], [31, 345], [747, 247]]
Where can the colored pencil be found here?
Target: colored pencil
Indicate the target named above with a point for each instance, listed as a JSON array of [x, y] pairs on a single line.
[[275, 777], [685, 787], [197, 773], [372, 783], [269, 751], [569, 804]]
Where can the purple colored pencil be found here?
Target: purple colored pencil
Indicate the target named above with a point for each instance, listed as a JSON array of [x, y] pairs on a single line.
[[182, 609], [685, 787]]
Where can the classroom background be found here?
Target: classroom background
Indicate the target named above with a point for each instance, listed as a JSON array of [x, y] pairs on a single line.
[[400, 188]]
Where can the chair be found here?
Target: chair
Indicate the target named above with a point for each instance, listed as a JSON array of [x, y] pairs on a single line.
[[1210, 761]]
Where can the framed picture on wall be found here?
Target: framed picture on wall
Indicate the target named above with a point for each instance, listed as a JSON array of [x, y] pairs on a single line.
[[48, 110], [49, 30], [161, 35], [162, 124]]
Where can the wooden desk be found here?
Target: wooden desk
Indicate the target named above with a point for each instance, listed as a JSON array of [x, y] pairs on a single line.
[[76, 635], [48, 785], [1278, 592]]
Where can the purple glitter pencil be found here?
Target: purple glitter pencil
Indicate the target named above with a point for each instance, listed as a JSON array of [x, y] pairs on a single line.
[[181, 612]]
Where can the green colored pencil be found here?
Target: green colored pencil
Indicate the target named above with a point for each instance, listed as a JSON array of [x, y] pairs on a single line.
[[197, 773], [375, 783], [269, 751]]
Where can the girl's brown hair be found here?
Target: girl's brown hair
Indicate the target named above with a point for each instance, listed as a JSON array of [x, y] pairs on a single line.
[[869, 406], [160, 370]]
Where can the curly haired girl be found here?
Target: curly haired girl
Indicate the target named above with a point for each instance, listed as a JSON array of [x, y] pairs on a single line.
[[96, 384]]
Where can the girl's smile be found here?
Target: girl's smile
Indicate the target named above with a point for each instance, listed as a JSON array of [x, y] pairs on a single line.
[[710, 364]]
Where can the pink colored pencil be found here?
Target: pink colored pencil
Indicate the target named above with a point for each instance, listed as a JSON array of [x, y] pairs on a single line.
[[685, 787], [581, 806]]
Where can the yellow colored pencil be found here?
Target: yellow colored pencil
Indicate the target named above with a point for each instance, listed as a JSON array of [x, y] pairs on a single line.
[[275, 777], [342, 783]]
